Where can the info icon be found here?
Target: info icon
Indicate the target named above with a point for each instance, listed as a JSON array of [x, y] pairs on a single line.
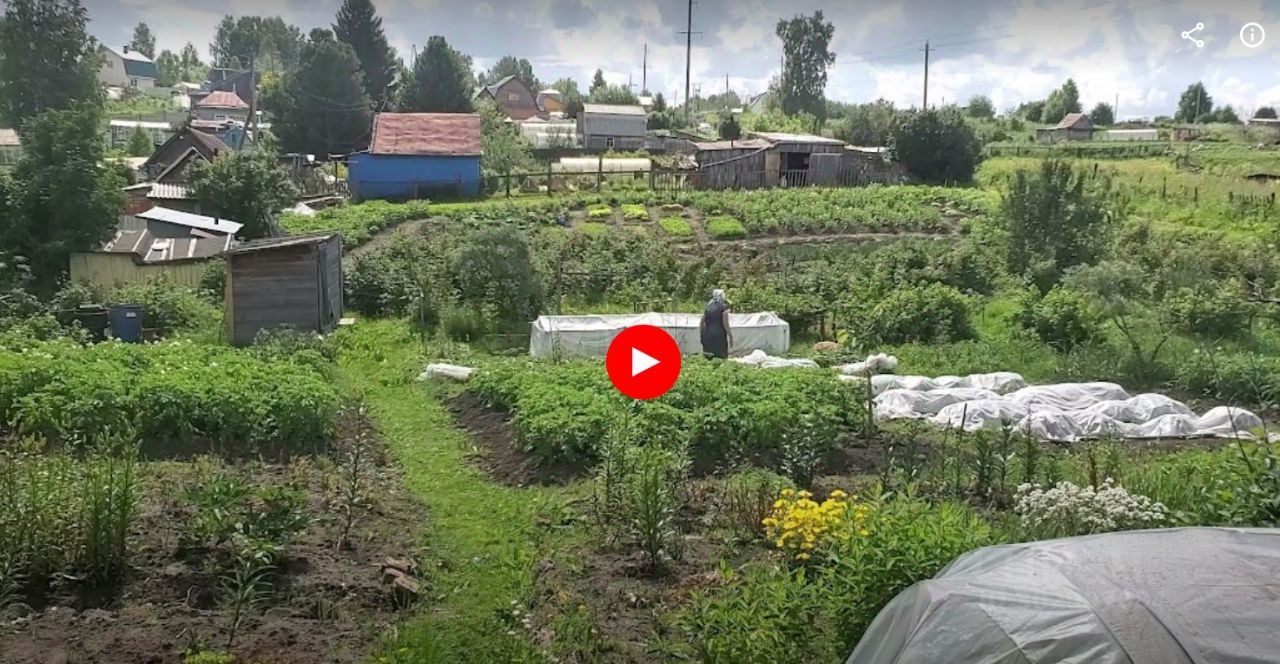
[[643, 362]]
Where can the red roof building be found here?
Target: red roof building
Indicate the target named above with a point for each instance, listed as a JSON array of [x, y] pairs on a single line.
[[426, 134], [222, 99], [416, 155]]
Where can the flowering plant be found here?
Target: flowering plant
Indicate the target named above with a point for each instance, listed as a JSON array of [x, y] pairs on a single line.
[[800, 525], [1066, 509]]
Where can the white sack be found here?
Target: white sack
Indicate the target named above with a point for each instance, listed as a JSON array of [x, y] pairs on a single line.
[[446, 371], [886, 382], [914, 404], [980, 414], [874, 364], [1068, 396], [1227, 422]]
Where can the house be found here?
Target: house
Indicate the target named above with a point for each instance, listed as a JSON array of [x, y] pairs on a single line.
[[120, 132], [770, 159], [170, 161], [220, 106], [126, 68], [10, 148], [242, 82], [413, 155], [612, 127], [138, 256], [294, 281], [1073, 127], [513, 98], [550, 101], [646, 102]]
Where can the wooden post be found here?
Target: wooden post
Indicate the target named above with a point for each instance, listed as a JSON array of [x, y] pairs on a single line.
[[1197, 195], [548, 178], [600, 173], [508, 183]]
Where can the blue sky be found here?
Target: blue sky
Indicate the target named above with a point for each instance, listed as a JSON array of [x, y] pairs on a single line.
[[1011, 50]]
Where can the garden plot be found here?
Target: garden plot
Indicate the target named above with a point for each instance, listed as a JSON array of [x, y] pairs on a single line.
[[1067, 412]]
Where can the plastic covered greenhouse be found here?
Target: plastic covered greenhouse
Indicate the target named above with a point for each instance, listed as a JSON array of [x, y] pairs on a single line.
[[1177, 596], [590, 336]]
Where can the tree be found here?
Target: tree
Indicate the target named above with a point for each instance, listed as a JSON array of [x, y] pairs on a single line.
[[441, 80], [509, 65], [322, 108], [168, 69], [597, 82], [613, 94], [867, 124], [665, 119], [1226, 115], [192, 68], [247, 187], [1062, 101], [1031, 111], [805, 47], [1054, 222], [659, 103], [505, 150], [270, 44], [143, 41], [140, 144], [980, 106], [359, 26], [729, 129], [1102, 115], [936, 145], [1195, 101], [47, 60], [572, 96], [62, 155], [1125, 294], [1265, 113]]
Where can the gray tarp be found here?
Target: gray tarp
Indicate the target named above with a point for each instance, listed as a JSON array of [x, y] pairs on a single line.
[[1202, 595]]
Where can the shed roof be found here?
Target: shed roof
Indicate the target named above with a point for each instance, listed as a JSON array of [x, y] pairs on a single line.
[[613, 109], [745, 144], [189, 220], [145, 124], [146, 248], [222, 99], [270, 243], [426, 134], [1075, 121], [780, 137]]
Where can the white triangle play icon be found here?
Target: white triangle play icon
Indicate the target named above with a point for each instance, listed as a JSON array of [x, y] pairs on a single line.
[[641, 362]]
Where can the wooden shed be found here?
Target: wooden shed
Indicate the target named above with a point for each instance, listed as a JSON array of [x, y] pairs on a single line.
[[294, 281]]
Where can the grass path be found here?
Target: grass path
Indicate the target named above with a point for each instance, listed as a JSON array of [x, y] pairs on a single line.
[[483, 542]]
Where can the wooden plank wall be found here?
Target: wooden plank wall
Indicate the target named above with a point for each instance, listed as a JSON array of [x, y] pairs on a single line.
[[270, 288], [114, 271], [331, 280]]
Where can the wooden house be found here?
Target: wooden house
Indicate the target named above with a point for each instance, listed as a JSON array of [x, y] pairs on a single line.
[[291, 281], [125, 68], [513, 98], [170, 160], [1073, 127], [613, 127], [770, 159]]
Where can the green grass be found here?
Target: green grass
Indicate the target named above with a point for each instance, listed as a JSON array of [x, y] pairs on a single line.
[[599, 212], [725, 228], [677, 227], [594, 228], [483, 541]]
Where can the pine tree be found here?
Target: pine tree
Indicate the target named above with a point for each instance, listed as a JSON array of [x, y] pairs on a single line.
[[323, 108], [442, 81], [359, 25], [140, 144], [597, 82]]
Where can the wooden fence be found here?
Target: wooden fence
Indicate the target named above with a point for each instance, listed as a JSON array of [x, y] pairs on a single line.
[[665, 180]]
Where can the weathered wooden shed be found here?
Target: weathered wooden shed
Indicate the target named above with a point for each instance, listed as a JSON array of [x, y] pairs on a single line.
[[294, 281]]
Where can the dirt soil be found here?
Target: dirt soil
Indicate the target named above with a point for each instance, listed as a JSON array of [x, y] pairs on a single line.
[[498, 453], [326, 605]]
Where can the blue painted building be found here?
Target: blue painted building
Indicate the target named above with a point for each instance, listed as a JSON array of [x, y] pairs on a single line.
[[418, 155]]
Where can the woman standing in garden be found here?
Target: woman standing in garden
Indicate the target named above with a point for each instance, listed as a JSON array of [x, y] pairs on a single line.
[[716, 337]]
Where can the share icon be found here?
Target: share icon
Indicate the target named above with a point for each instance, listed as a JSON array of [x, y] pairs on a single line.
[[1187, 35]]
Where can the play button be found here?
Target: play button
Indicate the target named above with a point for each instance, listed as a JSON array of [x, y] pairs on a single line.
[[643, 362]]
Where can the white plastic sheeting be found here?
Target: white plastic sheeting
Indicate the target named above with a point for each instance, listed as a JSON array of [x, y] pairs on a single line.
[[759, 358], [1066, 412], [590, 336], [1000, 382], [874, 364], [452, 372]]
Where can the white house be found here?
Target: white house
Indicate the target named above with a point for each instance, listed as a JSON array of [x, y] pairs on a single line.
[[10, 148], [126, 68]]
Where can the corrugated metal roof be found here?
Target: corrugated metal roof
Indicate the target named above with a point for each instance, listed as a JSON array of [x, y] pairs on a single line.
[[280, 242], [189, 220], [222, 99], [1073, 119], [174, 192], [746, 144], [426, 134], [613, 109], [135, 63], [780, 137], [145, 248], [140, 123]]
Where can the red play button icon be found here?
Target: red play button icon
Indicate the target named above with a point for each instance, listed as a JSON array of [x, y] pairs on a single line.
[[643, 362]]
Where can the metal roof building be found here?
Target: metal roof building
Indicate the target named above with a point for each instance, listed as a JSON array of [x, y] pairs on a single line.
[[415, 155], [612, 126]]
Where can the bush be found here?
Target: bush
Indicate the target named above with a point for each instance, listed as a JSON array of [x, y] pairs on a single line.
[[1063, 319], [1220, 314], [725, 228], [494, 273], [936, 145], [930, 314], [1246, 378], [1055, 220], [1067, 510], [167, 307], [747, 499]]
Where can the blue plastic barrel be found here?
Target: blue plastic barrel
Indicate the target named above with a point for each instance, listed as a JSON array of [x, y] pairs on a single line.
[[126, 322]]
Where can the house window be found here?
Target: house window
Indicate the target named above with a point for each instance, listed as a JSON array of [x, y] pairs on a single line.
[[133, 82], [608, 143], [513, 96]]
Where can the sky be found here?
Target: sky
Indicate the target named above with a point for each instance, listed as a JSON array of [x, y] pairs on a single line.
[[1010, 50]]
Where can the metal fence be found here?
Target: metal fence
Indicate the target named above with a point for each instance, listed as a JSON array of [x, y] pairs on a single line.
[[1082, 150]]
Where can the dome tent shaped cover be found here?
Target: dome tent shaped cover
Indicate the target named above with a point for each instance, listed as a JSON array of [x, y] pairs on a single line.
[[1175, 596]]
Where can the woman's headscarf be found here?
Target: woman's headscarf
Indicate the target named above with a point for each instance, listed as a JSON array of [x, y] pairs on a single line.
[[717, 295]]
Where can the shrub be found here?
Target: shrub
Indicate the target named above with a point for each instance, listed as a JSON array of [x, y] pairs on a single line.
[[233, 516], [494, 273], [167, 307], [930, 314], [1054, 222], [1220, 314], [1067, 510], [802, 527], [677, 227], [213, 283], [725, 228], [1063, 319], [1232, 377], [936, 145], [746, 499]]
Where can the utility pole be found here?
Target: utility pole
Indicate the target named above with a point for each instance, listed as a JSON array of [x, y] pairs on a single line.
[[1115, 110], [252, 123], [688, 58], [726, 87], [644, 69], [926, 75]]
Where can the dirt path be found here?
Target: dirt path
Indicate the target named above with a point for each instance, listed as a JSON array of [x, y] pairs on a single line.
[[379, 239]]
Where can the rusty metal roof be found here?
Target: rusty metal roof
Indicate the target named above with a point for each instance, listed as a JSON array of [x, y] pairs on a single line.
[[426, 134], [222, 99], [280, 242]]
